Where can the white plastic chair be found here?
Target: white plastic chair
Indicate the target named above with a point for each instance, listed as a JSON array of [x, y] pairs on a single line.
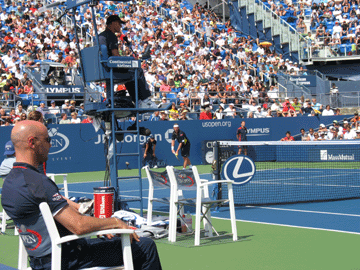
[[183, 180], [64, 175], [4, 218], [155, 179], [56, 242]]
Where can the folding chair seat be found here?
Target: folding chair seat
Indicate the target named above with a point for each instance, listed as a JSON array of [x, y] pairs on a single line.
[[56, 242], [190, 179]]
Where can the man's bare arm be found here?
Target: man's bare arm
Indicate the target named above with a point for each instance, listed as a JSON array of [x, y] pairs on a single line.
[[80, 224]]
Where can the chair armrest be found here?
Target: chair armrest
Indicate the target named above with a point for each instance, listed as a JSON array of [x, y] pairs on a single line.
[[204, 181], [72, 237]]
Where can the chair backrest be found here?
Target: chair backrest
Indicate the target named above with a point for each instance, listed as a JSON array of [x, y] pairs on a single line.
[[90, 58], [49, 222], [158, 179], [181, 179]]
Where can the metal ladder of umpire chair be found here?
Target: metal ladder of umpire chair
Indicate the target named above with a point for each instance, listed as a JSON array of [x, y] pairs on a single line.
[[96, 67]]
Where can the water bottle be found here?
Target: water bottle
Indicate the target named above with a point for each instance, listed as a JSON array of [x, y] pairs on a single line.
[[183, 225]]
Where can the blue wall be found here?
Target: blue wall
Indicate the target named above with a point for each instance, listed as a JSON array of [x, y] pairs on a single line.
[[77, 148]]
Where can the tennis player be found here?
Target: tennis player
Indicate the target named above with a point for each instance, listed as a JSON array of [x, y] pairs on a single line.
[[184, 145]]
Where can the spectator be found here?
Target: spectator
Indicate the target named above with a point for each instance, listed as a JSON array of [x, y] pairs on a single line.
[[315, 105], [354, 120], [19, 110], [81, 110], [288, 137], [310, 136], [164, 87], [287, 107], [13, 115], [66, 106], [36, 116], [259, 113], [88, 120], [349, 134], [74, 118], [296, 105], [155, 116], [322, 128], [219, 114], [230, 111], [173, 111], [327, 111], [53, 108], [64, 119], [206, 114], [303, 135], [28, 88], [357, 134], [72, 106], [335, 134], [308, 109], [42, 108], [23, 116], [163, 116], [7, 163], [317, 137]]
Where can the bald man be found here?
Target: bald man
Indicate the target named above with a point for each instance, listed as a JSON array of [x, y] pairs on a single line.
[[25, 188]]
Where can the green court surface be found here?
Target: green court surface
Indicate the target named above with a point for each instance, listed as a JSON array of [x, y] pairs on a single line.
[[260, 246]]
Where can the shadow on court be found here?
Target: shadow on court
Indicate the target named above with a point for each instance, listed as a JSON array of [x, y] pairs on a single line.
[[187, 240]]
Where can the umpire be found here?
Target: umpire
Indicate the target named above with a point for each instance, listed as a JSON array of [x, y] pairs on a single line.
[[184, 145]]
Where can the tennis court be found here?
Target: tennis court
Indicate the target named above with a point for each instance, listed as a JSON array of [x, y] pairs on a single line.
[[294, 236]]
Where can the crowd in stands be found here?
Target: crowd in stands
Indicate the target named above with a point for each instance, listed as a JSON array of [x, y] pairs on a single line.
[[50, 113], [200, 64], [254, 108], [344, 130], [334, 24]]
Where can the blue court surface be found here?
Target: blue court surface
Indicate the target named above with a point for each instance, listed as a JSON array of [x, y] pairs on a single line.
[[341, 216]]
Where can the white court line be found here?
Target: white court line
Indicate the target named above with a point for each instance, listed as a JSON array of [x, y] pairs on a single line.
[[276, 224], [303, 211], [285, 178], [291, 226]]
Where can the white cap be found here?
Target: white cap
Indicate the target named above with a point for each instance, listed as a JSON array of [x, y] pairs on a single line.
[[322, 125], [176, 125]]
